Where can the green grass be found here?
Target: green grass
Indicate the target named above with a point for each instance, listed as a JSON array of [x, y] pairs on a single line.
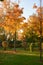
[[14, 59]]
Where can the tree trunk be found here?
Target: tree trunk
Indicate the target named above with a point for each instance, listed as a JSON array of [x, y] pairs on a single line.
[[31, 47], [15, 42]]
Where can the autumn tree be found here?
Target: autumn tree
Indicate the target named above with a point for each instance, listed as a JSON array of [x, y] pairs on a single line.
[[24, 27], [34, 26], [12, 17]]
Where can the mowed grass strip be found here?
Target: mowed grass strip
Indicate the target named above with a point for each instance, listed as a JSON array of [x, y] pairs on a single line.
[[13, 59]]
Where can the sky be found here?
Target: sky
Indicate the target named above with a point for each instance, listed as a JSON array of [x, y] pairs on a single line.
[[28, 6]]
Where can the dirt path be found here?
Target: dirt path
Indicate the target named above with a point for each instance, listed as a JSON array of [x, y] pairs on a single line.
[[18, 52]]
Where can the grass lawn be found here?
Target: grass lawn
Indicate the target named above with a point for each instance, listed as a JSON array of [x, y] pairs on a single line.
[[15, 59]]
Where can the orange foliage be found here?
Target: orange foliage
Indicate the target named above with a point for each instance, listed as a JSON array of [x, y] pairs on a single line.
[[12, 18]]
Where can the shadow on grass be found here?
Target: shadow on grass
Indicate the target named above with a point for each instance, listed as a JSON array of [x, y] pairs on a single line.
[[14, 59]]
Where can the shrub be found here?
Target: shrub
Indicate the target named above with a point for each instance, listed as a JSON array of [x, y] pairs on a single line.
[[5, 45]]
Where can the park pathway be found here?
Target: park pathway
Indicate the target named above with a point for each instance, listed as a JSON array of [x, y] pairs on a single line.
[[18, 52]]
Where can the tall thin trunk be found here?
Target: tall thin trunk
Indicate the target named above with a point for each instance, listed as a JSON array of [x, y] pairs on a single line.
[[15, 42], [40, 30]]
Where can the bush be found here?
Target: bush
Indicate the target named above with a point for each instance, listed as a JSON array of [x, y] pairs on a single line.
[[18, 43], [5, 45], [11, 44]]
